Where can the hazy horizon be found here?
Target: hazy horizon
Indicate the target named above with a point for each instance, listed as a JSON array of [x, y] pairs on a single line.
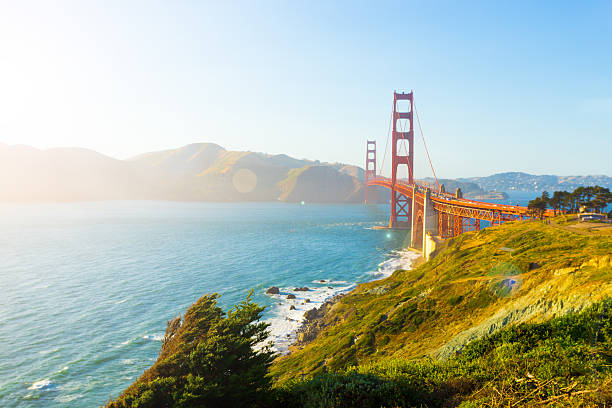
[[312, 159], [498, 87]]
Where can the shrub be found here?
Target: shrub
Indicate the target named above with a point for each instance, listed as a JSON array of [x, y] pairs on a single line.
[[207, 360], [454, 300]]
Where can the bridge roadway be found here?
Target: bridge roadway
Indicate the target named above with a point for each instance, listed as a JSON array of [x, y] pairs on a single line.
[[451, 204]]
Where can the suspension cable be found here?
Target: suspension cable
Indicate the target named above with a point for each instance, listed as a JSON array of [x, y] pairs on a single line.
[[386, 144], [425, 144]]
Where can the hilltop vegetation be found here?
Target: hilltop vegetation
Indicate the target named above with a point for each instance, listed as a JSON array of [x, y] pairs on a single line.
[[515, 315], [592, 198]]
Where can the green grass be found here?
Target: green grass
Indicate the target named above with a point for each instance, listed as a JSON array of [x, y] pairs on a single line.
[[566, 360]]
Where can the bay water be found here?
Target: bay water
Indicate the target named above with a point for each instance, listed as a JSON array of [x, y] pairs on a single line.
[[86, 288]]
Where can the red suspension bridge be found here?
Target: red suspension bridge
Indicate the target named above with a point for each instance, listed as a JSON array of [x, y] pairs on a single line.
[[422, 209]]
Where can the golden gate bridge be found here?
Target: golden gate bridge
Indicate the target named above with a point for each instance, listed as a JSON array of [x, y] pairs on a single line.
[[422, 209]]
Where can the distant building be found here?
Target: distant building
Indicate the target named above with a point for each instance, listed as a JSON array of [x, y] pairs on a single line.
[[591, 216]]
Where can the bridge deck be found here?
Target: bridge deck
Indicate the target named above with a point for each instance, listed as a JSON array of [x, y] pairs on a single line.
[[448, 203]]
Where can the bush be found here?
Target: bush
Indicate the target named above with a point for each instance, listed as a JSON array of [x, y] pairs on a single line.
[[207, 360], [454, 300]]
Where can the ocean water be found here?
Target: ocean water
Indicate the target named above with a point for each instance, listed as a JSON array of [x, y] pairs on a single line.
[[86, 288]]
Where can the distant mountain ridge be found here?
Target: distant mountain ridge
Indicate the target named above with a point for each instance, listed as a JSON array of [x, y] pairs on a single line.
[[524, 182], [209, 172], [469, 189], [195, 172]]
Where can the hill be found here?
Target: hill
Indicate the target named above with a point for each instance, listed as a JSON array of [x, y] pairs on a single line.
[[469, 189], [196, 172], [516, 181], [68, 174]]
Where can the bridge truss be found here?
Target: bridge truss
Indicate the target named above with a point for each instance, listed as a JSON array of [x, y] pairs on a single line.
[[448, 215]]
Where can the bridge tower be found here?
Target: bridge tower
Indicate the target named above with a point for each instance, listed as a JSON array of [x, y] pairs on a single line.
[[401, 205], [370, 171]]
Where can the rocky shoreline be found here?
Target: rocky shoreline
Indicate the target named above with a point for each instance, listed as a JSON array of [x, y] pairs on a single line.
[[295, 325], [314, 322], [315, 319]]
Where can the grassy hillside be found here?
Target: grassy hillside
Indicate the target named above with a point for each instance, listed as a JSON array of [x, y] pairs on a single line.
[[563, 362], [481, 282]]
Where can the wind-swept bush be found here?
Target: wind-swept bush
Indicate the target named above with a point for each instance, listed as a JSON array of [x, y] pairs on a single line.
[[209, 359]]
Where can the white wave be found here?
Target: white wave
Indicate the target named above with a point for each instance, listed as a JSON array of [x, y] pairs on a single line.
[[45, 352], [154, 337], [401, 259], [121, 301], [43, 385], [329, 282], [285, 322], [124, 343], [68, 398]]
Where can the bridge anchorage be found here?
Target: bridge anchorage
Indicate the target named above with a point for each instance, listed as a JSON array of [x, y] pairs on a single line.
[[429, 213]]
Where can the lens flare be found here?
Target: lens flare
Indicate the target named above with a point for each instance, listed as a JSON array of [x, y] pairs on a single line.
[[244, 181]]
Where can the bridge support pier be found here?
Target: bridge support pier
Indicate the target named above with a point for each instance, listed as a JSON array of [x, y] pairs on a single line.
[[412, 212], [430, 218]]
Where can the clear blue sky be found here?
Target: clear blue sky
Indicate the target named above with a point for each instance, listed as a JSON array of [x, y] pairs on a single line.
[[500, 86]]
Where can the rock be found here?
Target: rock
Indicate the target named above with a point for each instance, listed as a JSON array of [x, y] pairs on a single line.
[[291, 307], [307, 301], [304, 289], [330, 287], [312, 314], [322, 281], [272, 290], [533, 265], [290, 296]]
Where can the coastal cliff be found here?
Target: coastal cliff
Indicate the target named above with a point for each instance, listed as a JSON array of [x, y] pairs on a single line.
[[514, 315]]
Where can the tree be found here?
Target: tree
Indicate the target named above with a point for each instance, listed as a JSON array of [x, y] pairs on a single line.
[[537, 207], [602, 198], [209, 359], [555, 201]]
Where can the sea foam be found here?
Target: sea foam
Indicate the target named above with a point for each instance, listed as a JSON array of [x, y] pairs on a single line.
[[43, 385], [154, 337]]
